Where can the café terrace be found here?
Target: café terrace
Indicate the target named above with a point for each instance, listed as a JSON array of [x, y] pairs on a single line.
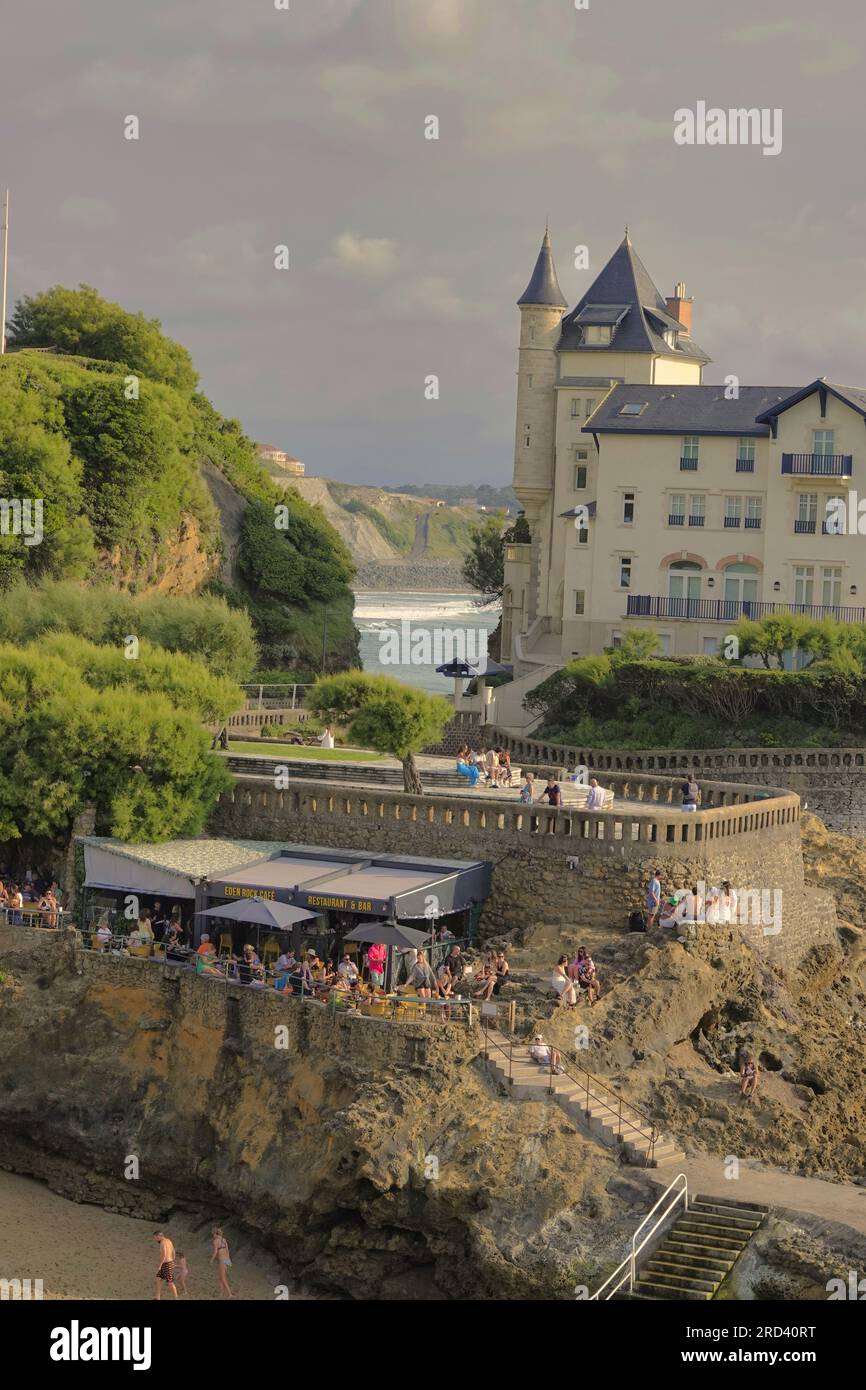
[[342, 888]]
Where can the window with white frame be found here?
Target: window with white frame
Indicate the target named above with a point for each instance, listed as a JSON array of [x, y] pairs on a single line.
[[697, 509], [690, 447], [627, 508], [733, 511], [804, 585], [822, 442], [590, 407], [677, 513], [575, 407], [580, 474], [831, 586], [625, 571], [807, 507], [582, 535], [754, 512], [746, 453], [597, 335], [579, 602]]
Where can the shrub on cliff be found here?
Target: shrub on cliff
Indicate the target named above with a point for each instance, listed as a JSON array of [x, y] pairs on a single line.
[[69, 738], [206, 627]]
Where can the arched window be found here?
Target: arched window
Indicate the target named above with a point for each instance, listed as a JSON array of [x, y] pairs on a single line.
[[684, 580], [741, 584]]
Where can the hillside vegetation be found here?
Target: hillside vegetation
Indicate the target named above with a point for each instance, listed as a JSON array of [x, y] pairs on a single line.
[[101, 420], [629, 698]]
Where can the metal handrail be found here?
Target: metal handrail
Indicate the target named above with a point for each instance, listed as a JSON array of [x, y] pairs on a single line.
[[649, 1132], [629, 1264], [488, 1042]]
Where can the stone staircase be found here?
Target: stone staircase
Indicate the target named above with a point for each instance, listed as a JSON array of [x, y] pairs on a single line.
[[699, 1250], [585, 1100]]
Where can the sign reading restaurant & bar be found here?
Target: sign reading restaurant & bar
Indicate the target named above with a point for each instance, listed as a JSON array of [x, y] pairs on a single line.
[[234, 890]]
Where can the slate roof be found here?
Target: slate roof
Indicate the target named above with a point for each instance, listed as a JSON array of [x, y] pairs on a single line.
[[625, 280], [543, 288], [687, 410], [855, 396]]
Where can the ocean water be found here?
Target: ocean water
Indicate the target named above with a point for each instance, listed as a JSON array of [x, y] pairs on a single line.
[[407, 635]]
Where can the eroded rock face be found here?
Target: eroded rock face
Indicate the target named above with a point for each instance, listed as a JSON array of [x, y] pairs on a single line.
[[372, 1158]]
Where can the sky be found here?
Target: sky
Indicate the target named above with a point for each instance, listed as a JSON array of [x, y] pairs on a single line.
[[304, 127]]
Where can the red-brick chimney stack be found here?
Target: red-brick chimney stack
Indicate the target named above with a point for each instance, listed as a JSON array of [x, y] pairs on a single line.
[[680, 308]]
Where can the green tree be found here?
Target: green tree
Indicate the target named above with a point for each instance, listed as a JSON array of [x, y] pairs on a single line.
[[67, 743], [484, 566], [84, 324], [772, 637], [383, 714]]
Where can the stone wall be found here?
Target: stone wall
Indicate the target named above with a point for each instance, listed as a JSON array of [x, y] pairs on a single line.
[[831, 781], [555, 867]]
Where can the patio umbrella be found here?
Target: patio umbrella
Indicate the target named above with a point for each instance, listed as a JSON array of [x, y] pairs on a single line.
[[467, 670], [387, 934], [277, 916]]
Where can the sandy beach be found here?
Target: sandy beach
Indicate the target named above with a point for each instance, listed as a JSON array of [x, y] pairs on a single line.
[[82, 1252]]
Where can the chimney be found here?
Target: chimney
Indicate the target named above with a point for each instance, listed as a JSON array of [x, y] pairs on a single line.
[[680, 308]]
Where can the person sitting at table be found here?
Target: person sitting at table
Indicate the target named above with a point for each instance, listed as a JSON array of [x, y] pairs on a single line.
[[48, 909], [206, 958], [145, 928], [103, 935], [301, 978], [286, 962], [247, 963], [444, 982], [347, 969]]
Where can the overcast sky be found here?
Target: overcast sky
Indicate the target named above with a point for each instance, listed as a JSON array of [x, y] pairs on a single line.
[[305, 127]]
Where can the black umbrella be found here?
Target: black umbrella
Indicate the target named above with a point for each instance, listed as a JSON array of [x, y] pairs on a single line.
[[277, 916], [466, 670], [387, 934]]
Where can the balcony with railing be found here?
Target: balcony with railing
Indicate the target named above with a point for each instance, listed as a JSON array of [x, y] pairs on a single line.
[[688, 465], [753, 523], [696, 521], [676, 519], [745, 465], [724, 610], [732, 521], [818, 465], [804, 527]]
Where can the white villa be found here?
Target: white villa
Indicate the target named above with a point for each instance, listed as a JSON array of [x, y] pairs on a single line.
[[655, 501]]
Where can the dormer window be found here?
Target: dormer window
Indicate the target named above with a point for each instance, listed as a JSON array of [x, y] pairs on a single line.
[[597, 334], [672, 338]]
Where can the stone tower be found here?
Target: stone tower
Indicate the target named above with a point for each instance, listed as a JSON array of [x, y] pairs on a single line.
[[541, 308]]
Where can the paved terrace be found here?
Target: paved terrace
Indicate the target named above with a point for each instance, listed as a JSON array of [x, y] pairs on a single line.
[[646, 809]]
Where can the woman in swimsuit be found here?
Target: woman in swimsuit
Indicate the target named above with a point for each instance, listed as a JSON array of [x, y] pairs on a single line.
[[748, 1078], [220, 1253]]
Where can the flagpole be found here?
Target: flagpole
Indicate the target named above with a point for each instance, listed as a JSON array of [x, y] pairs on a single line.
[[5, 269]]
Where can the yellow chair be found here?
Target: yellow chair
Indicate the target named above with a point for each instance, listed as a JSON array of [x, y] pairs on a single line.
[[270, 952], [225, 946], [143, 950]]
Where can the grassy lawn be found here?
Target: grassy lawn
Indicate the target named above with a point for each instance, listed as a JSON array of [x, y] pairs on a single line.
[[332, 755]]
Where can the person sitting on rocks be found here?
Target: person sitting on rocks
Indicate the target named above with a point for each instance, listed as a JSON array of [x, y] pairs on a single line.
[[586, 975], [749, 1073], [456, 965], [444, 982], [545, 1055], [503, 970], [563, 985], [485, 981]]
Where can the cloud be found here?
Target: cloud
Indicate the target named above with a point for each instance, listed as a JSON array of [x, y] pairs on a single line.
[[90, 213], [369, 256]]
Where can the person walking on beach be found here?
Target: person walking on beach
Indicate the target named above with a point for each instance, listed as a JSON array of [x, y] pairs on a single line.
[[181, 1271], [220, 1253], [165, 1272]]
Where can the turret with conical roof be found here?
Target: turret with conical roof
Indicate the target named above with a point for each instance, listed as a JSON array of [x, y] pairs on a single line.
[[541, 308], [543, 287]]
